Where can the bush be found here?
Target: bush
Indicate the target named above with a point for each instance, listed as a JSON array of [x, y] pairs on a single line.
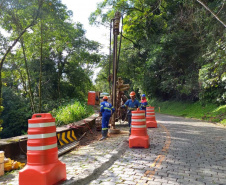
[[15, 114], [72, 112]]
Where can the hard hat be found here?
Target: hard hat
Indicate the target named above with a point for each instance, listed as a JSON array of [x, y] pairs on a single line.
[[143, 95], [132, 93], [105, 98]]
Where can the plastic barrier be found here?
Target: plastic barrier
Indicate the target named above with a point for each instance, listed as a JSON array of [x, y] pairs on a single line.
[[43, 166], [150, 117], [91, 98], [139, 136]]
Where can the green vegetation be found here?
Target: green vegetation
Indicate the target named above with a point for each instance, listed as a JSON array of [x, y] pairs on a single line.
[[171, 49], [45, 58], [208, 112], [72, 112]]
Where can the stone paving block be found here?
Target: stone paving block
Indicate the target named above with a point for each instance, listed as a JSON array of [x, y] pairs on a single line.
[[136, 177], [162, 174], [129, 173], [107, 183], [221, 175], [153, 183], [129, 182], [190, 173], [183, 181], [197, 183], [95, 182], [175, 176]]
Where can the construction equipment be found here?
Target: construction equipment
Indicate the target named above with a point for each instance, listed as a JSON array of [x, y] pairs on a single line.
[[118, 86]]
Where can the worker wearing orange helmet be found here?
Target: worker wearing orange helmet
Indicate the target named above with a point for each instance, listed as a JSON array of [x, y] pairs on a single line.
[[132, 104], [106, 110]]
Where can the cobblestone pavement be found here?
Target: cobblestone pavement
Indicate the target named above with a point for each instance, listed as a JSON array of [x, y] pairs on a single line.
[[182, 151]]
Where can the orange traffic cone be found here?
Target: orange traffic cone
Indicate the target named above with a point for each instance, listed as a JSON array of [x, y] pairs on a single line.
[[150, 117], [139, 136], [43, 166]]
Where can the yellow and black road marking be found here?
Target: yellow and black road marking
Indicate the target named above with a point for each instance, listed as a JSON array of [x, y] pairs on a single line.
[[66, 137]]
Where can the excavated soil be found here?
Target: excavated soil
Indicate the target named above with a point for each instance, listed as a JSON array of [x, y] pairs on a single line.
[[89, 137]]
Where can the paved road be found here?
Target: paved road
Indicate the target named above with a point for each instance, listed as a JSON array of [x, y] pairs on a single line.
[[182, 151]]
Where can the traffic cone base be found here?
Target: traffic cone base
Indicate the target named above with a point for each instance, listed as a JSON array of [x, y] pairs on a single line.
[[45, 174], [139, 141], [139, 136], [151, 124]]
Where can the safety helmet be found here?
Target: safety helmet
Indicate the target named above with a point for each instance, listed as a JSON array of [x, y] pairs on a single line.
[[143, 95], [105, 98], [132, 93]]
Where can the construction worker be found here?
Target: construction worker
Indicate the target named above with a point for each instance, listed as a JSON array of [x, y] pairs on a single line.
[[132, 105], [143, 103], [106, 110]]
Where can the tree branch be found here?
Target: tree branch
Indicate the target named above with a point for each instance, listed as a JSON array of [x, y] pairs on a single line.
[[212, 13], [220, 9], [130, 40], [2, 4], [133, 9], [157, 6], [20, 35]]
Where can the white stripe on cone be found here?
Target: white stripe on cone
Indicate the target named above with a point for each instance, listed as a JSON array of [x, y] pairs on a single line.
[[36, 125], [138, 120], [138, 114], [41, 136], [138, 126], [33, 148]]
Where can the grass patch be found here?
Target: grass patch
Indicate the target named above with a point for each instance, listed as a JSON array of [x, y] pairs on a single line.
[[71, 112], [209, 112]]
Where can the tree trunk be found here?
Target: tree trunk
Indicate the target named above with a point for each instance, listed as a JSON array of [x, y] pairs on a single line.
[[59, 73], [14, 43], [40, 75], [30, 93]]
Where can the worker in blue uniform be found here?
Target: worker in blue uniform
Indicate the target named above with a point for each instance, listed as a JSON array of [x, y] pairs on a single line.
[[106, 110], [143, 103], [132, 104]]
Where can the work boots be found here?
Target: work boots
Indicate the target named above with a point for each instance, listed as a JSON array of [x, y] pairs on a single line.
[[104, 135]]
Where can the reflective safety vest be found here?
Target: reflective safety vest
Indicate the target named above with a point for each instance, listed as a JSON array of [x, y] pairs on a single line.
[[132, 105], [106, 108], [143, 105]]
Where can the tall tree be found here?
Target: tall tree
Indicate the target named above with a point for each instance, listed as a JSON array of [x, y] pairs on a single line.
[[11, 8], [165, 44]]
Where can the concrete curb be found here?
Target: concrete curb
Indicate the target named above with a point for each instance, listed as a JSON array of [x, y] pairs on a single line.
[[98, 171]]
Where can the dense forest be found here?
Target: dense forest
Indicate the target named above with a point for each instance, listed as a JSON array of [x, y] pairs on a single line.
[[45, 60], [170, 50]]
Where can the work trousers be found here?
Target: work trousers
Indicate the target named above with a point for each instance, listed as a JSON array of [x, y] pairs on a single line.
[[144, 108], [105, 121], [129, 116]]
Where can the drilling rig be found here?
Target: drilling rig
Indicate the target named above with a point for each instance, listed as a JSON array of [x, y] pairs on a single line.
[[116, 86]]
